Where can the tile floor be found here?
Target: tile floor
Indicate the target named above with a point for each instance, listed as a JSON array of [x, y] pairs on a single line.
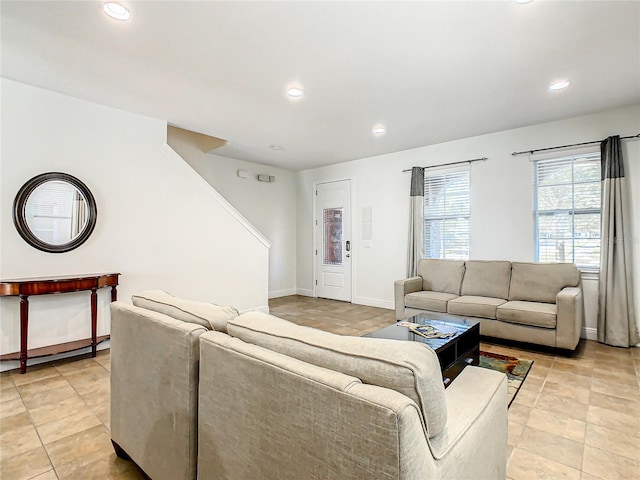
[[574, 418]]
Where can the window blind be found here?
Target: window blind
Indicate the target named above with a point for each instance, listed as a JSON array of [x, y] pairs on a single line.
[[447, 205], [567, 210]]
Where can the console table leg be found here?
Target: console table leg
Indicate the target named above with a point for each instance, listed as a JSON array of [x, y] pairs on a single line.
[[114, 293], [24, 331], [94, 320]]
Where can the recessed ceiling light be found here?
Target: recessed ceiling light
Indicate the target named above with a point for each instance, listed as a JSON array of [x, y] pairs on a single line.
[[559, 85], [521, 1], [379, 130], [277, 148], [117, 11], [295, 92]]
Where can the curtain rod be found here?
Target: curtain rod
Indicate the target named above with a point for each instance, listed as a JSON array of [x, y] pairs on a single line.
[[453, 163], [571, 145]]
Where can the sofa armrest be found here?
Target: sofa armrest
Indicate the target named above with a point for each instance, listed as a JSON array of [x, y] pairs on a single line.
[[570, 316], [154, 388], [474, 443], [402, 288]]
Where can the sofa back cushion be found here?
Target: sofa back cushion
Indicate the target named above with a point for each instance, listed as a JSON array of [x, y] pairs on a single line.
[[441, 275], [209, 315], [487, 279], [541, 282], [410, 368]]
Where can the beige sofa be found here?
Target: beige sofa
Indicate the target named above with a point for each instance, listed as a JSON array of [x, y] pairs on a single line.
[[261, 397], [538, 303]]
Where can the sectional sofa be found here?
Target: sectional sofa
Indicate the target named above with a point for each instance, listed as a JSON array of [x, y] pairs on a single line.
[[198, 391], [539, 303]]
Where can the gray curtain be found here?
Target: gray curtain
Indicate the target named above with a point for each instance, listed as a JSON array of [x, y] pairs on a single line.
[[416, 221], [616, 316]]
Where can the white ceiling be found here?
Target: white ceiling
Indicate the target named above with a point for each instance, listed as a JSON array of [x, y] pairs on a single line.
[[430, 71]]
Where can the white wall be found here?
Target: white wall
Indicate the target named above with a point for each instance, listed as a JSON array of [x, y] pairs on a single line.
[[270, 207], [501, 196], [159, 223]]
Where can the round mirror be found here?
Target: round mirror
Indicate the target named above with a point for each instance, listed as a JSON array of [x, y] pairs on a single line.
[[54, 212]]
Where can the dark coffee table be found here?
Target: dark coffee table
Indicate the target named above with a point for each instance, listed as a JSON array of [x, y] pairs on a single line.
[[454, 353]]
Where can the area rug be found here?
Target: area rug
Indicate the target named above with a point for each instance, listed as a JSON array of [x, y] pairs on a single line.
[[515, 369]]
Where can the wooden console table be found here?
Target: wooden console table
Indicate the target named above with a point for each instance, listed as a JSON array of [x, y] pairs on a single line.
[[23, 287]]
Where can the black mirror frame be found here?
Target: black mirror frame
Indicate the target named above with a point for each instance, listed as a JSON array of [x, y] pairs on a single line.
[[20, 221]]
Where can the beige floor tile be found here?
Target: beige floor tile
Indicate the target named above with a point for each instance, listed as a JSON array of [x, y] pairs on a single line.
[[563, 406], [537, 370], [608, 465], [99, 393], [570, 392], [614, 420], [586, 362], [557, 424], [588, 476], [615, 389], [513, 433], [26, 465], [617, 404], [572, 368], [52, 431], [569, 379], [56, 411], [553, 447], [18, 436], [527, 398], [80, 449], [42, 385], [618, 377], [525, 465], [519, 413], [50, 475], [5, 379], [106, 468], [33, 374], [11, 407], [48, 397], [103, 412], [614, 441], [69, 366], [9, 392], [87, 384], [615, 366]]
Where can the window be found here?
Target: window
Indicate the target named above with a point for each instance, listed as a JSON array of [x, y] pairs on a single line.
[[567, 210], [446, 214]]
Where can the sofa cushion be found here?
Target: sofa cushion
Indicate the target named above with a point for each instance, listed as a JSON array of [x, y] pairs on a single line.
[[486, 279], [472, 306], [410, 368], [441, 275], [434, 301], [534, 314], [541, 282], [209, 315]]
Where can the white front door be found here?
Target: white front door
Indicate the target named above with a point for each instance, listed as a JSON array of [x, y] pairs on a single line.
[[333, 240]]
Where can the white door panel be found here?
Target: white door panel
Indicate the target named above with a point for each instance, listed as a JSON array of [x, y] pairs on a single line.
[[333, 240]]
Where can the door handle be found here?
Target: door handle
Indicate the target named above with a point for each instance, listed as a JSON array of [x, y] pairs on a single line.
[[348, 246]]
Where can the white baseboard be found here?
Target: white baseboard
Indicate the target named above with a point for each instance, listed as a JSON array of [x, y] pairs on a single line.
[[282, 293], [304, 292], [589, 333], [372, 302]]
